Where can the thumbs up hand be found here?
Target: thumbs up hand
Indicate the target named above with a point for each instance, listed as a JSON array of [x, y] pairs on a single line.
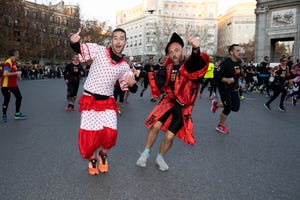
[[75, 37], [193, 41]]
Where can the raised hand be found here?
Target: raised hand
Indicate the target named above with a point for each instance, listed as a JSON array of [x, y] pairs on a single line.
[[75, 37], [193, 41]]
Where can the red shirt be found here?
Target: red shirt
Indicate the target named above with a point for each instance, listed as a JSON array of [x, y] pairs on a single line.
[[9, 81]]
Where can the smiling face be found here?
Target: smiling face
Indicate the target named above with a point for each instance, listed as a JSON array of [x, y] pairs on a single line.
[[118, 42], [175, 52]]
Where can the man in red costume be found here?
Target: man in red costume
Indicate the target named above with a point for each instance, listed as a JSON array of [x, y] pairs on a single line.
[[174, 111]]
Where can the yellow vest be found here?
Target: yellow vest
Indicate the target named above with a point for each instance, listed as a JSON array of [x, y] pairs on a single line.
[[210, 71]]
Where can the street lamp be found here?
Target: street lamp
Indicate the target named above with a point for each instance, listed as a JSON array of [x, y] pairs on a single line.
[[42, 63]]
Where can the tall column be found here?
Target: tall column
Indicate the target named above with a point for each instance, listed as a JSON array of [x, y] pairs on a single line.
[[260, 33]]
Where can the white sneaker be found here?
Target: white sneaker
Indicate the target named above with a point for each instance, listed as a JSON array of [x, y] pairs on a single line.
[[162, 165], [142, 161]]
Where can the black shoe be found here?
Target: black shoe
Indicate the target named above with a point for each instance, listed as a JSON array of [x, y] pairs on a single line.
[[294, 101], [141, 95], [281, 108], [267, 106], [153, 100]]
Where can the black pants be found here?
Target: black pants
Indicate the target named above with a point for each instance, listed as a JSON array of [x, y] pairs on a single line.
[[72, 89], [212, 85], [277, 89], [6, 94], [230, 100], [176, 121]]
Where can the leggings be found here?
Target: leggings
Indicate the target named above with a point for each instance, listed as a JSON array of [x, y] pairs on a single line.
[[212, 84], [276, 91], [6, 94], [72, 89], [230, 100]]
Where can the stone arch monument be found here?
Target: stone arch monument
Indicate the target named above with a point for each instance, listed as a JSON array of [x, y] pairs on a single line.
[[276, 21]]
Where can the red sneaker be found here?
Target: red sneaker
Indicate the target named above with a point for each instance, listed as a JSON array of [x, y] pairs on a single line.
[[222, 129], [68, 108], [214, 106]]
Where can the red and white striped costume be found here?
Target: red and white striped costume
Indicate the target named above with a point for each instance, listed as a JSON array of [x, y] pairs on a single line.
[[98, 127]]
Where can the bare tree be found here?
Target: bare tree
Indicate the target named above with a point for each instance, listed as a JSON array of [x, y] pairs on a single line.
[[248, 50], [96, 32]]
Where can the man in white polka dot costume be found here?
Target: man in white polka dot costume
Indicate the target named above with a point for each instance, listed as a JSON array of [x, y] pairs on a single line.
[[98, 127]]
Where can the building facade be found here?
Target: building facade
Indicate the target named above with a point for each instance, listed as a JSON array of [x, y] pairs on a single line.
[[150, 25], [277, 21], [236, 26], [39, 31]]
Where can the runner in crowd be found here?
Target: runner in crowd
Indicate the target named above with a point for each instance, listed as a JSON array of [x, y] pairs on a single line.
[[10, 75]]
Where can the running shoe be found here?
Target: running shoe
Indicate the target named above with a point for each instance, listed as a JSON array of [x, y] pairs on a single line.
[[222, 129], [294, 101], [210, 97], [20, 116], [242, 98], [281, 108], [103, 163], [153, 100], [162, 165], [200, 95], [93, 170], [214, 106], [142, 161], [4, 119], [267, 106], [68, 108]]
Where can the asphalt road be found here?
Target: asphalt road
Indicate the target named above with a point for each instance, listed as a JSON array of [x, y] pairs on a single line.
[[259, 159]]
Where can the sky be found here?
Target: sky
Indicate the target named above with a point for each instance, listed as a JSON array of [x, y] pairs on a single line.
[[106, 10]]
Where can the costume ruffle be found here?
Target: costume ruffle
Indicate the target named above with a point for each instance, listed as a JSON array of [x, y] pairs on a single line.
[[90, 141], [87, 102]]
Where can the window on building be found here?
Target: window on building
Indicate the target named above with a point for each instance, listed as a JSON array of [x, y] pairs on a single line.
[[34, 14], [26, 12], [51, 18], [58, 20], [58, 31], [66, 43], [66, 22], [17, 35], [150, 39]]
